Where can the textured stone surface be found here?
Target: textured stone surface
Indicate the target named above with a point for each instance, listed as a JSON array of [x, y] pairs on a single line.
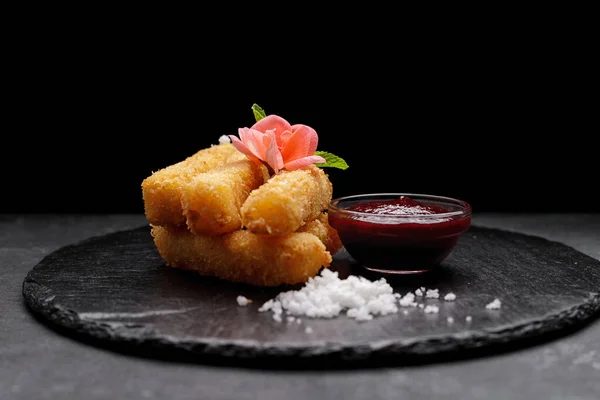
[[38, 363], [116, 291]]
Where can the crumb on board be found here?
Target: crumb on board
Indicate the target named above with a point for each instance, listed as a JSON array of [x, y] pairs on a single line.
[[243, 301]]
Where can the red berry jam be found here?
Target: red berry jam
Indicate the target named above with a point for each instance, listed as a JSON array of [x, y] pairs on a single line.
[[403, 205], [399, 234]]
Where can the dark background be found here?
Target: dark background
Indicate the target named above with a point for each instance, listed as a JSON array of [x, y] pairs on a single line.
[[505, 123]]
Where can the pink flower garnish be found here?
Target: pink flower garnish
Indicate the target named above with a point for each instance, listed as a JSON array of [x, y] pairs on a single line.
[[273, 141]]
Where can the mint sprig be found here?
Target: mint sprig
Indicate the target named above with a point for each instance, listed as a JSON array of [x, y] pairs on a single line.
[[331, 160], [259, 113]]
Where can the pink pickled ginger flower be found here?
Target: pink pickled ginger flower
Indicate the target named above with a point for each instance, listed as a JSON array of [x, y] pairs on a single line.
[[273, 141]]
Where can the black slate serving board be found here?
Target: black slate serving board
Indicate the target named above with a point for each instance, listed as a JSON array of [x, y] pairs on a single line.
[[115, 291]]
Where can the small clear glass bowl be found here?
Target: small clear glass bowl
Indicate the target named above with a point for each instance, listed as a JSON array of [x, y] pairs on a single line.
[[400, 244]]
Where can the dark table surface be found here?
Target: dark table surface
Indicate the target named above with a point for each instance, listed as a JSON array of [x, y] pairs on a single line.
[[38, 363]]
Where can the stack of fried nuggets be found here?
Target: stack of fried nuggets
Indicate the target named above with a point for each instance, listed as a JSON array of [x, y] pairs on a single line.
[[220, 214]]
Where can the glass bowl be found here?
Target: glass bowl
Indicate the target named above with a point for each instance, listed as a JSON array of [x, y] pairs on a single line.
[[413, 236]]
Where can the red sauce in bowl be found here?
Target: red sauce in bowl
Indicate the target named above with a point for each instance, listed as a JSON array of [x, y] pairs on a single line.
[[403, 205], [399, 233]]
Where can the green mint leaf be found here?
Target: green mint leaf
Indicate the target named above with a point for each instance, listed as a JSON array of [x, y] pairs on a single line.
[[259, 113], [331, 160]]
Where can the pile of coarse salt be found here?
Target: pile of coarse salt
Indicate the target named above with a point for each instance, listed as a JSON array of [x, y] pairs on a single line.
[[328, 296]]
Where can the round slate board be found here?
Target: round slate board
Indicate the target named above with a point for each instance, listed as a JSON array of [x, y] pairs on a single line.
[[115, 291]]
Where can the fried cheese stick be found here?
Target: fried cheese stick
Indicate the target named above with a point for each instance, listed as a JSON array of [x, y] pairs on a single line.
[[326, 233], [211, 201], [161, 191], [244, 257], [287, 201]]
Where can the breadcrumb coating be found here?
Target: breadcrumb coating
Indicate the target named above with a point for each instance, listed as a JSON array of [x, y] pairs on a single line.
[[220, 214], [326, 233], [287, 201], [161, 191], [244, 257], [211, 201]]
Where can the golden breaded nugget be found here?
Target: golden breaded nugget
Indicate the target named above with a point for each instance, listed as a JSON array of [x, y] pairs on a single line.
[[326, 233], [287, 200], [242, 256], [334, 243], [161, 191], [317, 228], [211, 201]]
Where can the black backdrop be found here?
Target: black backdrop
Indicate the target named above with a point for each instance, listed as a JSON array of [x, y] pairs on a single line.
[[505, 128]]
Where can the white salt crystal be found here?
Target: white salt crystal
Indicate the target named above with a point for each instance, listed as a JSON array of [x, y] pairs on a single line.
[[266, 306], [308, 329], [494, 305], [450, 320], [419, 292], [450, 297], [468, 318], [432, 294], [277, 308], [243, 301], [408, 300], [224, 139], [359, 314], [431, 309]]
